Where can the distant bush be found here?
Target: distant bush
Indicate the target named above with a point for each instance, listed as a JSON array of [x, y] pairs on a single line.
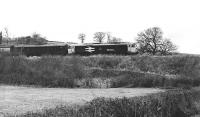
[[173, 103]]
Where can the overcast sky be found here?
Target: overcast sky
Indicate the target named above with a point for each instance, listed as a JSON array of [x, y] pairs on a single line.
[[63, 20]]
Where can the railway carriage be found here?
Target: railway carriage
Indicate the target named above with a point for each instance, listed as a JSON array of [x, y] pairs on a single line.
[[39, 50]]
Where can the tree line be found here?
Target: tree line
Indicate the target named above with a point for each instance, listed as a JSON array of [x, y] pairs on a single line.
[[149, 41], [99, 37], [34, 39]]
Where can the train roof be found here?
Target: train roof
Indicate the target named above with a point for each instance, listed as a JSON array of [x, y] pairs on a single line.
[[46, 45], [98, 44]]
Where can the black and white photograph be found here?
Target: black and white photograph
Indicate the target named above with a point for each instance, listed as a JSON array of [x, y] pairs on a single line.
[[99, 58]]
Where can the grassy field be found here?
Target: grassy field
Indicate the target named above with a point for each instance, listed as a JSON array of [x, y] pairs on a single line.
[[172, 103], [17, 100]]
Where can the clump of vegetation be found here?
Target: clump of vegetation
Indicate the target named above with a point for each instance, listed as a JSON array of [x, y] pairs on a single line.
[[173, 103]]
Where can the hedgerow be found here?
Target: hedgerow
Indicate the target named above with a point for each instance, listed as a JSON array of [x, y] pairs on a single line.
[[173, 103]]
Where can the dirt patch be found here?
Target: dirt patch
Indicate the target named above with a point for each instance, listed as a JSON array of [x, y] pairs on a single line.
[[15, 100]]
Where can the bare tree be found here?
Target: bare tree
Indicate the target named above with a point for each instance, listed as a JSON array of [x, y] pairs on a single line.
[[82, 36], [1, 37], [6, 31], [166, 47], [36, 39], [151, 41], [114, 40], [111, 39], [108, 36], [7, 35], [99, 36]]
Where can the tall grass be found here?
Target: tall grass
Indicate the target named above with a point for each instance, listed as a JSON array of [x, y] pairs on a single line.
[[48, 71]]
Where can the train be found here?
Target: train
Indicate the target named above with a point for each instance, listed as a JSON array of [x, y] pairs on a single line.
[[72, 49]]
